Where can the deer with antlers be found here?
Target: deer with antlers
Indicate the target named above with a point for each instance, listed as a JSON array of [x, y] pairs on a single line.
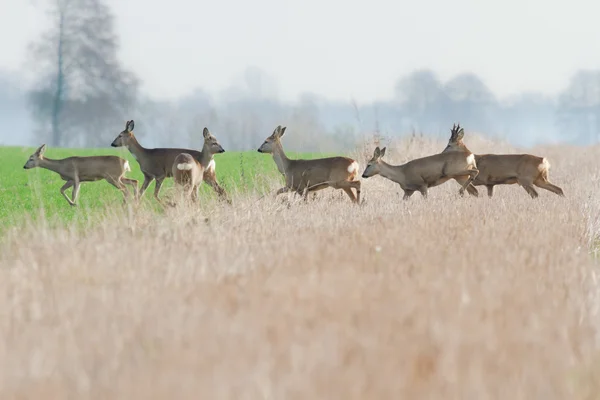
[[76, 170], [505, 169], [304, 176], [423, 173], [157, 164]]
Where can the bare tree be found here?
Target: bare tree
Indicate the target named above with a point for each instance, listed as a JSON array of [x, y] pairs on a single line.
[[82, 89]]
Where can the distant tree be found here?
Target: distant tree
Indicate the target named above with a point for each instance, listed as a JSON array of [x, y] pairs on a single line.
[[472, 103], [578, 114], [527, 119], [83, 92], [421, 98]]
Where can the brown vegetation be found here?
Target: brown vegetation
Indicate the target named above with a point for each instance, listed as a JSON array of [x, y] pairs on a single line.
[[458, 298]]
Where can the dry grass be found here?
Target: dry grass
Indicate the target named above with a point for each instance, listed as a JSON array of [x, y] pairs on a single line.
[[451, 297]]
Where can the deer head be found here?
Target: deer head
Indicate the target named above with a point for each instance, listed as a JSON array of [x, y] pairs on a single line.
[[35, 158], [267, 146], [211, 143], [455, 142], [373, 166], [125, 136]]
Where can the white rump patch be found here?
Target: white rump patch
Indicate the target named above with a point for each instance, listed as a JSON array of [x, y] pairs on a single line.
[[211, 165], [184, 166], [545, 165], [126, 166], [471, 159], [353, 167]]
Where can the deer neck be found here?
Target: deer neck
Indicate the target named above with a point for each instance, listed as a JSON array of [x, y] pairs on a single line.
[[206, 156], [392, 172], [280, 158], [460, 146], [53, 165], [136, 149]]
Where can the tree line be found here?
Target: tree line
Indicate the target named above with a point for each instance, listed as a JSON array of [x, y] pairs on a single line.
[[83, 95]]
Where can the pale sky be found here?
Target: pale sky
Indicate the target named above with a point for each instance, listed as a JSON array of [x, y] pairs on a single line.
[[340, 49]]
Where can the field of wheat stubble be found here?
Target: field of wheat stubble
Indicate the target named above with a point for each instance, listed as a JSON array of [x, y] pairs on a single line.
[[449, 296]]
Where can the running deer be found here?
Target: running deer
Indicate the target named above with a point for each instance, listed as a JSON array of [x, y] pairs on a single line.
[[505, 169], [422, 173], [157, 164], [304, 176], [189, 172], [75, 170]]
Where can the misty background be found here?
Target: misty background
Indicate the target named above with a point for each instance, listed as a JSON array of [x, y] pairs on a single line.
[[75, 70]]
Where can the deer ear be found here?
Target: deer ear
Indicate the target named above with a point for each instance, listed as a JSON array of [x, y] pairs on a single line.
[[277, 131], [41, 150], [282, 131], [382, 153], [206, 133], [377, 152], [129, 126], [460, 134]]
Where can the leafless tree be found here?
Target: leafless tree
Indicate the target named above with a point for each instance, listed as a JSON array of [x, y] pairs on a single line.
[[83, 91]]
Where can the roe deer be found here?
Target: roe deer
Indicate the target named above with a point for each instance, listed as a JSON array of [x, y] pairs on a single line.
[[157, 164], [304, 176], [189, 172], [75, 170], [422, 173], [505, 169]]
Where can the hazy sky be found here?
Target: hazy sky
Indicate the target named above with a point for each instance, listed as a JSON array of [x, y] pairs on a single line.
[[338, 48]]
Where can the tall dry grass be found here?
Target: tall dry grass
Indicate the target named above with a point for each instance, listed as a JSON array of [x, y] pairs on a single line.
[[448, 297]]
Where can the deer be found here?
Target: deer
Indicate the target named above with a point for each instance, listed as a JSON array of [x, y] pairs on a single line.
[[75, 170], [188, 172], [308, 176], [505, 169], [423, 173], [156, 164]]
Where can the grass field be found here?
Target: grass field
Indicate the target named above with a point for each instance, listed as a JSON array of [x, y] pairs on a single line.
[[24, 192], [449, 297]]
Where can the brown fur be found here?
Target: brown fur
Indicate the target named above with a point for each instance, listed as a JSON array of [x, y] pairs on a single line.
[[189, 179], [422, 173], [304, 176], [75, 170], [506, 169], [156, 164]]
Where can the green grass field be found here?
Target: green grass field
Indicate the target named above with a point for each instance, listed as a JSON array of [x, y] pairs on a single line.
[[24, 192]]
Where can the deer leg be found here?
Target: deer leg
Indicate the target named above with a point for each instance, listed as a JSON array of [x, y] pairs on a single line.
[[65, 187], [212, 182], [529, 189], [350, 193], [134, 185], [159, 181], [472, 175], [490, 190], [282, 190], [423, 191], [407, 194], [147, 181], [356, 185], [472, 190], [119, 185], [544, 184], [195, 198], [75, 193]]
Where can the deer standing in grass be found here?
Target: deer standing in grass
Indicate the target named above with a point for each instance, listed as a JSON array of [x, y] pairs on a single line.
[[422, 173], [75, 170], [157, 164], [304, 176], [188, 172], [505, 169]]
